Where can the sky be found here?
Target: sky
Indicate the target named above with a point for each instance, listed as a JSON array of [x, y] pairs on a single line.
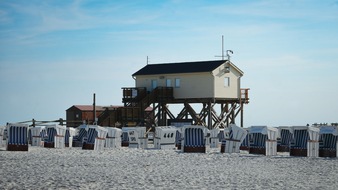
[[57, 53]]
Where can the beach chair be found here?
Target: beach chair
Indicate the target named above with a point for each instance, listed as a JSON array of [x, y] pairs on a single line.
[[178, 138], [69, 136], [305, 141], [234, 140], [3, 140], [263, 140], [55, 136], [113, 139], [194, 138], [125, 138], [38, 135], [214, 138], [284, 139], [245, 145], [96, 136], [165, 137], [81, 135], [17, 137], [137, 137], [328, 141]]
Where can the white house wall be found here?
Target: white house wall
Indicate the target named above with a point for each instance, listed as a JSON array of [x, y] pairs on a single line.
[[197, 85], [222, 91]]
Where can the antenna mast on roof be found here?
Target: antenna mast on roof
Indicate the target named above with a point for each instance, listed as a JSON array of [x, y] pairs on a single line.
[[227, 51], [147, 60]]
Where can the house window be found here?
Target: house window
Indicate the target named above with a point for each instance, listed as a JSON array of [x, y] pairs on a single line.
[[153, 84], [226, 81], [177, 82], [168, 82]]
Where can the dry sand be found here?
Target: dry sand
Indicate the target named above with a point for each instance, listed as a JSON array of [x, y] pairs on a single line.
[[126, 168]]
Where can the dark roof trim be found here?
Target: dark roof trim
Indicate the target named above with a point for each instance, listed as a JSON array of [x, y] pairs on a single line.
[[184, 67]]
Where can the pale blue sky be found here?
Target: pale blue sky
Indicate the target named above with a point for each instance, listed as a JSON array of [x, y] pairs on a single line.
[[55, 54]]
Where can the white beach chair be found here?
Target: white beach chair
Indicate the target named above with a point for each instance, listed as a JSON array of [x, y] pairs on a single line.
[[3, 140], [305, 141], [194, 138], [55, 136], [235, 138], [137, 137], [37, 135], [17, 137], [113, 139], [96, 136], [263, 140], [214, 138], [165, 137], [328, 141]]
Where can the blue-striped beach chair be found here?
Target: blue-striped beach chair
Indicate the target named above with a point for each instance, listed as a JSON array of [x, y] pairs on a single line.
[[38, 135], [81, 135], [165, 137], [245, 145], [235, 137], [263, 140], [113, 139], [96, 136], [328, 141], [55, 136], [194, 138], [305, 141], [284, 139], [17, 137], [69, 136]]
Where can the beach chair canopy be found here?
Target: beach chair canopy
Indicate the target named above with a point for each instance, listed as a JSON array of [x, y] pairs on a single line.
[[313, 132], [328, 130], [214, 132], [37, 131], [271, 132], [59, 130], [101, 132], [165, 132], [237, 133], [114, 132]]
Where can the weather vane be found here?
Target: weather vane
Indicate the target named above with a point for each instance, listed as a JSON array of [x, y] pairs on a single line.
[[227, 51]]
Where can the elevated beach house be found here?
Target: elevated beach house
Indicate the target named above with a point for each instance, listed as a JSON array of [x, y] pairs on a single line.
[[204, 82]]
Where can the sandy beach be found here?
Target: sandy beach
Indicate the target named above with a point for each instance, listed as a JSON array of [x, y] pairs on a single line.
[[126, 168]]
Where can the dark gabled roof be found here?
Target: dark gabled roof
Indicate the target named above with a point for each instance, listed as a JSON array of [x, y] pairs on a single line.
[[185, 67]]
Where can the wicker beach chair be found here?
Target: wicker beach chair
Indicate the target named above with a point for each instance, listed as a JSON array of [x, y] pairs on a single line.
[[245, 145], [194, 138], [235, 138], [113, 139], [96, 136], [165, 137], [3, 140], [284, 139], [38, 135], [17, 137], [263, 140], [137, 137], [69, 136], [55, 136], [305, 141], [328, 141]]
